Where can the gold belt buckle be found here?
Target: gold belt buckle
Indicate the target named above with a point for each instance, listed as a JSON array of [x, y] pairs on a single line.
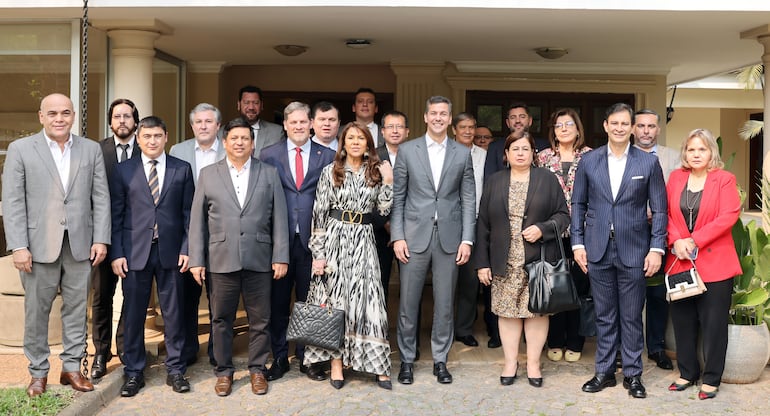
[[352, 217]]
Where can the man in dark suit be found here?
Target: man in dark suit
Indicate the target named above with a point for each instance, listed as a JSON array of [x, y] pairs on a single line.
[[432, 223], [119, 147], [299, 162], [56, 214], [518, 121], [325, 118], [365, 108], [250, 106], [616, 245], [239, 239], [151, 199], [395, 129], [202, 150]]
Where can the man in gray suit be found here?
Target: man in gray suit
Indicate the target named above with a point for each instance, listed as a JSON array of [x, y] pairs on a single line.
[[239, 239], [250, 106], [56, 208], [432, 224], [202, 150]]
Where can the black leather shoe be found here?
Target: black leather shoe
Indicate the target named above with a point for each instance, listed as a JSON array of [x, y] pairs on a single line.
[[507, 380], [132, 386], [535, 382], [635, 387], [442, 374], [315, 372], [468, 340], [278, 369], [383, 384], [662, 360], [494, 342], [99, 369], [337, 384], [178, 383], [406, 374], [599, 382]]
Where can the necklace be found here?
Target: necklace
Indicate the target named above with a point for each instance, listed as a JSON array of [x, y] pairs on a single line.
[[691, 206]]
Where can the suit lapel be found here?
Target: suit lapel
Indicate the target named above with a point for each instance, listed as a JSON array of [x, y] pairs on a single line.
[[256, 169], [227, 181], [171, 169], [42, 149], [422, 153], [627, 172], [449, 154], [603, 173], [314, 163], [75, 156]]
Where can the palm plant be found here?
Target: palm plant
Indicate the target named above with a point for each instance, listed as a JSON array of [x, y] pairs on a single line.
[[751, 77]]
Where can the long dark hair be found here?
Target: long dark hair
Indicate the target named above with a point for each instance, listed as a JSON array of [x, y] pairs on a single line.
[[580, 140], [371, 160]]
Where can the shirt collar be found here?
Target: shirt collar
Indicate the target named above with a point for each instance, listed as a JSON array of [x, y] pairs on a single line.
[[161, 159], [245, 165], [625, 152], [214, 147], [130, 141], [430, 142], [290, 146], [51, 143]]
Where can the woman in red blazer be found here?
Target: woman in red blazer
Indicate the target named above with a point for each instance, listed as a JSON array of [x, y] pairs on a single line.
[[703, 205]]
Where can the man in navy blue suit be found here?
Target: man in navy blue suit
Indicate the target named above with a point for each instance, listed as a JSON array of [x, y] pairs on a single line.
[[617, 246], [151, 198], [299, 161]]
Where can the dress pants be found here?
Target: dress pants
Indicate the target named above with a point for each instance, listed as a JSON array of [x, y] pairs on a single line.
[[226, 290], [192, 298], [618, 293], [40, 288], [104, 284], [413, 275], [564, 327], [297, 278], [137, 287], [385, 256], [490, 319], [467, 299], [656, 318], [709, 314]]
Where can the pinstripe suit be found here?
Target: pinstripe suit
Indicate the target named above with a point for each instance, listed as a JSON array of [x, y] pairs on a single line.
[[615, 265]]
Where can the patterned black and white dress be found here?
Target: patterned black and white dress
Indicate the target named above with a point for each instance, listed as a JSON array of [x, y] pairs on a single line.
[[352, 271]]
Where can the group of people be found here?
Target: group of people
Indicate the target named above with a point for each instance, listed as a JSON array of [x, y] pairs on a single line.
[[265, 213]]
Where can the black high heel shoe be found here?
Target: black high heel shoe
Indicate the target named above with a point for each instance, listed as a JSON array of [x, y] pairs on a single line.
[[680, 387], [337, 384], [535, 382], [508, 380], [384, 384]]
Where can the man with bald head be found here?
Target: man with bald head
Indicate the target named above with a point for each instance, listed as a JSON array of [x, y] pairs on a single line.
[[56, 213]]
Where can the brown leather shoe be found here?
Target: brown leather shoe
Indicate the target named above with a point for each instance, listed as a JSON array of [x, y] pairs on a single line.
[[224, 386], [37, 386], [258, 383], [77, 381]]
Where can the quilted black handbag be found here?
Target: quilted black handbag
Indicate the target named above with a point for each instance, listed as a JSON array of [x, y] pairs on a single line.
[[551, 289], [683, 285], [317, 325]]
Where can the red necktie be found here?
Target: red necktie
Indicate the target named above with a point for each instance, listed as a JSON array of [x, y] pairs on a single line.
[[299, 169]]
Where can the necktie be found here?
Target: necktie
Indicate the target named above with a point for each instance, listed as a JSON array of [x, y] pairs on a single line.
[[123, 152], [155, 190], [299, 168]]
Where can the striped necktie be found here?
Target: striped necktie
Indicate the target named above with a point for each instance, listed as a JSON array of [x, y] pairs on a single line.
[[155, 190]]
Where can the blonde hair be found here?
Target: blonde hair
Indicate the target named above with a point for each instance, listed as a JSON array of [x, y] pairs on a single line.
[[708, 139]]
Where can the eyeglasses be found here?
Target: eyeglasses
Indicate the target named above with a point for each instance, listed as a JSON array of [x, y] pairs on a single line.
[[479, 137], [394, 127], [568, 124], [122, 116]]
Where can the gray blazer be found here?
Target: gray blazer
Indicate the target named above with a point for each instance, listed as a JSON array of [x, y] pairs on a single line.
[[269, 134], [186, 152], [416, 200], [252, 238], [37, 211]]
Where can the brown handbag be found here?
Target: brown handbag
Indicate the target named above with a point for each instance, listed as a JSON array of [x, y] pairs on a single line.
[[683, 285]]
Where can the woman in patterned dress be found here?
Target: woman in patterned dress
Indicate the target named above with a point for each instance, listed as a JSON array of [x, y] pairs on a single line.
[[518, 209], [568, 146], [350, 192]]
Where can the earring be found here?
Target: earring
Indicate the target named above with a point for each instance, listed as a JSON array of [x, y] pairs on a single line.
[[366, 155], [343, 153]]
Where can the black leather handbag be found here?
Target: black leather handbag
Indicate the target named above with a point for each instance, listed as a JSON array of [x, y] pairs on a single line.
[[317, 325], [551, 289]]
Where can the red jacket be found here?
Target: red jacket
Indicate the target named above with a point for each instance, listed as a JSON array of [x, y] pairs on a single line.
[[720, 208]]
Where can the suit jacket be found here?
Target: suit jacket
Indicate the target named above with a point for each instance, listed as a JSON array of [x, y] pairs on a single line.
[[186, 152], [299, 203], [249, 238], [495, 152], [111, 154], [594, 210], [134, 213], [269, 134], [545, 202], [720, 208], [416, 200], [669, 159], [37, 210]]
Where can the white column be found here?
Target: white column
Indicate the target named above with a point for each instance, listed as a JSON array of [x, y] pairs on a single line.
[[132, 55]]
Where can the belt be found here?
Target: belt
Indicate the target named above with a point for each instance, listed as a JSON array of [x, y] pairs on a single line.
[[350, 217]]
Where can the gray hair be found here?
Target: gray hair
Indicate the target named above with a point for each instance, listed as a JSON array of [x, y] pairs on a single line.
[[206, 107], [437, 99], [296, 106]]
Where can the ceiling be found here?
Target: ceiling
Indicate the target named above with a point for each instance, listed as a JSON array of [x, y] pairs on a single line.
[[684, 45]]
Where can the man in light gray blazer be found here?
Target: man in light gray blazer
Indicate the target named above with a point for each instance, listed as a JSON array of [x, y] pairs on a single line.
[[250, 106], [432, 223], [202, 150], [56, 208], [239, 238]]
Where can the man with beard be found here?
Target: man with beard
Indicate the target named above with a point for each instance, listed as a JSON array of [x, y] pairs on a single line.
[[325, 118], [518, 121], [118, 148], [249, 106]]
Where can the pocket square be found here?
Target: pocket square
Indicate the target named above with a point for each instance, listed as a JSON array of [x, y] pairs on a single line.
[[637, 177]]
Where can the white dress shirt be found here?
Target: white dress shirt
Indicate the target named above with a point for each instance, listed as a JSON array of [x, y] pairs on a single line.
[[160, 168], [334, 144], [204, 158], [479, 157], [436, 153], [61, 159], [374, 129], [305, 153], [240, 180], [129, 150], [617, 166]]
